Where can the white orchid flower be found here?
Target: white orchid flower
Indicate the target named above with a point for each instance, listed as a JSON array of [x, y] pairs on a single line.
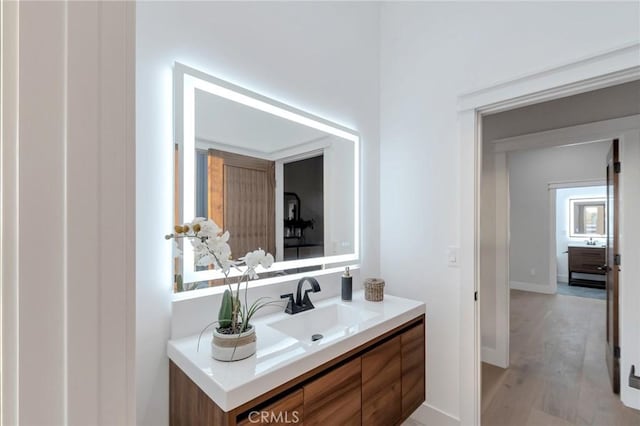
[[226, 265], [252, 259], [205, 260], [252, 274], [257, 258], [267, 261], [211, 247], [209, 229]]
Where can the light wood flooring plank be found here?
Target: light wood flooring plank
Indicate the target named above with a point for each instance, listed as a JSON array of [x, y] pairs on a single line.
[[558, 375]]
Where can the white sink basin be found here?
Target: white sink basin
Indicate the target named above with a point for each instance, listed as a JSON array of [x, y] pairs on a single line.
[[331, 322]]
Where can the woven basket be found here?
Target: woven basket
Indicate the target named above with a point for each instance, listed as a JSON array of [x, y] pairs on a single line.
[[374, 289]]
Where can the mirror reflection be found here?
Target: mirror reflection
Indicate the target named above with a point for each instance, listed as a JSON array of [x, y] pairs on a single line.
[[273, 183], [587, 217]]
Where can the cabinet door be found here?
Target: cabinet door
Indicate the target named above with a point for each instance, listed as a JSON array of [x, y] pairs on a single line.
[[381, 384], [189, 405], [285, 411], [334, 399], [413, 369]]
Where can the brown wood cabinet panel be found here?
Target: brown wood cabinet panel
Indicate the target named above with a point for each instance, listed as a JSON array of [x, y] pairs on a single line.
[[586, 260], [189, 405], [381, 384], [285, 411], [413, 369], [183, 404], [334, 398]]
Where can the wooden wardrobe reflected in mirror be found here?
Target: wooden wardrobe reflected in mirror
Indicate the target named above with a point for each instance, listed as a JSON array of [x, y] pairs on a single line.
[[241, 199]]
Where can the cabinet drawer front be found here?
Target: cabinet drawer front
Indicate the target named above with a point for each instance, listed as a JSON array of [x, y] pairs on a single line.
[[413, 369], [586, 260], [285, 411], [585, 254], [334, 399], [381, 384]]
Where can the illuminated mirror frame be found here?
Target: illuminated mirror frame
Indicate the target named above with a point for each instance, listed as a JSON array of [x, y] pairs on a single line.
[[572, 216], [186, 81]]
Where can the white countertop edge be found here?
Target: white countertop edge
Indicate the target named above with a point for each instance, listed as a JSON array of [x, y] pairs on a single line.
[[245, 392]]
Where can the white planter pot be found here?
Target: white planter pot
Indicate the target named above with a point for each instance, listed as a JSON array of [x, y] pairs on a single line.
[[233, 347]]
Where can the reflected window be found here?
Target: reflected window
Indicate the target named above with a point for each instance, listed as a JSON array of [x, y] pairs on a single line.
[[587, 217]]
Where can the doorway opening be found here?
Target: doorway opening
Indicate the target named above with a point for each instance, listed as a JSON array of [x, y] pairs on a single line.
[[603, 70], [303, 182], [520, 264], [579, 231], [556, 338]]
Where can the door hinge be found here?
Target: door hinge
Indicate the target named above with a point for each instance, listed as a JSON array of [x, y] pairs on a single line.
[[475, 296], [616, 351], [616, 260], [617, 167]]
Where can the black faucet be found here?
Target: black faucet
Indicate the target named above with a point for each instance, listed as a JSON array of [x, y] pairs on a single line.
[[301, 303]]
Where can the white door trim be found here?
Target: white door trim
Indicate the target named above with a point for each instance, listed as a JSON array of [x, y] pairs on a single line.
[[605, 69], [553, 261], [575, 135], [503, 296], [577, 183]]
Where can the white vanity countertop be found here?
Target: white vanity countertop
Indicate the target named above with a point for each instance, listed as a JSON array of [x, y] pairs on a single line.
[[280, 358], [585, 245]]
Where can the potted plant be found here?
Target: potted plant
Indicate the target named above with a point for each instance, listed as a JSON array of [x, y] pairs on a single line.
[[234, 337]]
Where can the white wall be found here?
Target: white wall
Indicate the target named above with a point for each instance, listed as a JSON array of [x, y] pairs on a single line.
[[67, 213], [530, 173], [430, 54], [319, 57], [563, 237]]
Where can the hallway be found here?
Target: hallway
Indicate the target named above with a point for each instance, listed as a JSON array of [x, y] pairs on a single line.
[[558, 374]]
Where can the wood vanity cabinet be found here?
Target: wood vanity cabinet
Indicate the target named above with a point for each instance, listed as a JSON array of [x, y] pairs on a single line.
[[284, 411], [334, 398], [378, 383], [413, 369], [382, 384], [587, 260]]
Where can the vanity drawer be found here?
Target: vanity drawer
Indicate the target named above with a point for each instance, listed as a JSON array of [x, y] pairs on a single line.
[[335, 397], [413, 369], [586, 260], [382, 384], [285, 411]]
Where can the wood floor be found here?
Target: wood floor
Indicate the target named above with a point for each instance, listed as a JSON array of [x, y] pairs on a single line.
[[558, 374]]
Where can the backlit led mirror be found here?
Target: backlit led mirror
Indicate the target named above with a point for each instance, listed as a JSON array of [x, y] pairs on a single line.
[[587, 217], [275, 177]]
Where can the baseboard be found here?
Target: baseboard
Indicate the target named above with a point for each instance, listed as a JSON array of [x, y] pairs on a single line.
[[563, 278], [432, 416], [536, 288], [493, 357]]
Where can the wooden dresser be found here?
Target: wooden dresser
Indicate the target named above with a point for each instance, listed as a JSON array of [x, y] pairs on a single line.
[[587, 260]]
